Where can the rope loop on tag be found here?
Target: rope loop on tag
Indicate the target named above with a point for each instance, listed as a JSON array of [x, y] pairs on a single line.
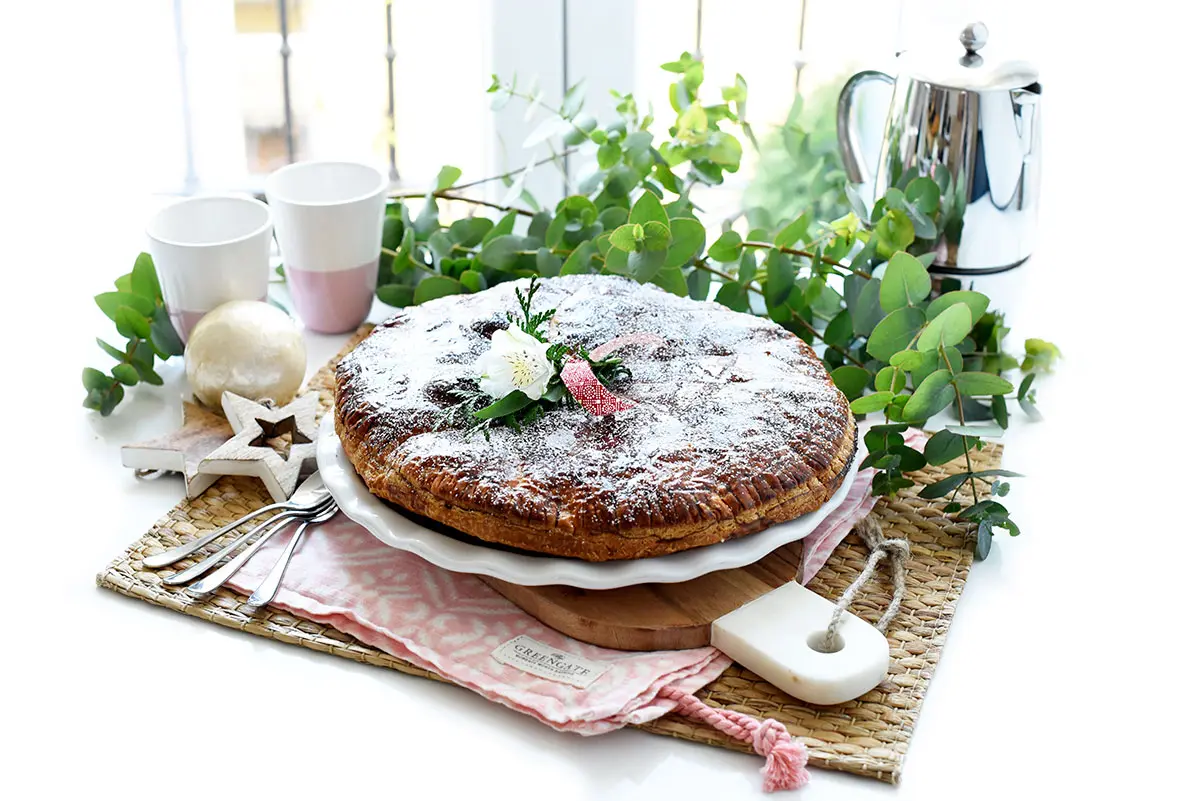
[[785, 757], [870, 532], [148, 474]]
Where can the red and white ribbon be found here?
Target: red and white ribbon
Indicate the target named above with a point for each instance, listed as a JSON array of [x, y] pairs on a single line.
[[583, 385]]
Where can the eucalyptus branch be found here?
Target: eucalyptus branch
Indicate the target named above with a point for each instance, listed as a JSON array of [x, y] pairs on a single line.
[[537, 101], [555, 155], [113, 384], [411, 261], [446, 195], [807, 254], [703, 264], [140, 315], [962, 419], [809, 327]]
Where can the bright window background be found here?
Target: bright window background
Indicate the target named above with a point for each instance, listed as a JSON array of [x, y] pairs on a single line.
[[230, 91], [214, 72]]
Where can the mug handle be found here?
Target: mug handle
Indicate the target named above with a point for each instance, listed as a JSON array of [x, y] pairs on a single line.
[[848, 144]]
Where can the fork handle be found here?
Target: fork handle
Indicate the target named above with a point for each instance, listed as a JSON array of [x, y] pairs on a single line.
[[265, 592], [225, 572], [188, 548], [212, 560]]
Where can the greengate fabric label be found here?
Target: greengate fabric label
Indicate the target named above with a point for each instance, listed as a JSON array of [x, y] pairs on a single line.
[[527, 654]]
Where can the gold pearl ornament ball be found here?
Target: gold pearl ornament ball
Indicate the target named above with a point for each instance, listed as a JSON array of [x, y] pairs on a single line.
[[249, 348]]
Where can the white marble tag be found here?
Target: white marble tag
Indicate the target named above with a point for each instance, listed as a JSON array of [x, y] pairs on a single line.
[[774, 635]]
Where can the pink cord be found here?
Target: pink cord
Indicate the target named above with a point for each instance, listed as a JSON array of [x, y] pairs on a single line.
[[786, 758]]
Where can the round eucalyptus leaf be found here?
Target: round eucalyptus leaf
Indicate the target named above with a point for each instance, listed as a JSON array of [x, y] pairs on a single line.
[[625, 237], [733, 295], [923, 194], [580, 260], [906, 282], [501, 252], [672, 280], [934, 394], [979, 384], [781, 276], [436, 286], [687, 241], [473, 280], [947, 329], [143, 280], [851, 380], [93, 379], [875, 402], [946, 446], [895, 332], [976, 301], [698, 281], [111, 302], [890, 378], [983, 540], [648, 209], [397, 295], [840, 330], [127, 374], [727, 248], [656, 236]]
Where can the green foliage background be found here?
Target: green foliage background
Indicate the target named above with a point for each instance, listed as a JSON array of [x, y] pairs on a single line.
[[799, 167], [812, 258]]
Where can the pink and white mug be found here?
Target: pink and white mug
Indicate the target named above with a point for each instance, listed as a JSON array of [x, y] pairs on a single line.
[[329, 224], [208, 250]]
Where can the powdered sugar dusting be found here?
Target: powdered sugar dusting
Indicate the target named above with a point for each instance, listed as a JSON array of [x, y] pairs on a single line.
[[728, 409]]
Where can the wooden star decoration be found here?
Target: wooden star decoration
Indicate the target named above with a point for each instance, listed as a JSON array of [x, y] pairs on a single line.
[[182, 450], [272, 443]]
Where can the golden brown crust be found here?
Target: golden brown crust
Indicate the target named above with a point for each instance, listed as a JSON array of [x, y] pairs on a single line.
[[738, 427]]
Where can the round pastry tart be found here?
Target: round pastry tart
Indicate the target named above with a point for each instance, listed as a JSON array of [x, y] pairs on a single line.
[[732, 424]]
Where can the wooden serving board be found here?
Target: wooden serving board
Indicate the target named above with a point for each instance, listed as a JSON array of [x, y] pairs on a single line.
[[652, 617]]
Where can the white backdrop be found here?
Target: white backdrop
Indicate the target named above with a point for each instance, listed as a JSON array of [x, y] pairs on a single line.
[[1069, 671]]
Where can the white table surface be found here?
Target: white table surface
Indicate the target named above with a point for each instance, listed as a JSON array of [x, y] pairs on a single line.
[[1054, 680]]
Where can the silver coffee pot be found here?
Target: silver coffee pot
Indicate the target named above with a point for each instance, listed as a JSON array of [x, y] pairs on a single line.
[[974, 125]]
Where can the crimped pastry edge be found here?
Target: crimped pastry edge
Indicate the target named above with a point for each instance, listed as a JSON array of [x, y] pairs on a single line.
[[593, 546]]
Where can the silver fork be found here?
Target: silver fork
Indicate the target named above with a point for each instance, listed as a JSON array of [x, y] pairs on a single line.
[[221, 574], [265, 592], [213, 560]]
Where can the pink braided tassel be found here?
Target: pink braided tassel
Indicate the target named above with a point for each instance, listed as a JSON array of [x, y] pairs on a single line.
[[786, 758]]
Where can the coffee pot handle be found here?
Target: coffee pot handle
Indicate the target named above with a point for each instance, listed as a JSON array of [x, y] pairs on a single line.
[[857, 170]]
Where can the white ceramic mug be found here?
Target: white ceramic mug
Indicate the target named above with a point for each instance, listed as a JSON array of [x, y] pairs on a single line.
[[329, 222], [208, 250]]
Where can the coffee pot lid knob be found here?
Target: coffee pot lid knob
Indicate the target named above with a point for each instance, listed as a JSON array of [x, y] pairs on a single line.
[[974, 37], [950, 67]]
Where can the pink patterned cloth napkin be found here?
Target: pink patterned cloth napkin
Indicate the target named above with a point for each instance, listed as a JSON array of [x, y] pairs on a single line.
[[451, 623]]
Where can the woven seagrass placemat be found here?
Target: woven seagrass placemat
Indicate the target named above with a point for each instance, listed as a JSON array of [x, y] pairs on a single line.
[[868, 736]]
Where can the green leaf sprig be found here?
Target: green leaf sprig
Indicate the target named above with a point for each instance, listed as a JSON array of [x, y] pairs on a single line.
[[137, 310], [476, 411]]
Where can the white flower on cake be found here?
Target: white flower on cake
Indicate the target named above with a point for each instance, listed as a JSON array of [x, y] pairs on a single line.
[[522, 376], [516, 361]]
